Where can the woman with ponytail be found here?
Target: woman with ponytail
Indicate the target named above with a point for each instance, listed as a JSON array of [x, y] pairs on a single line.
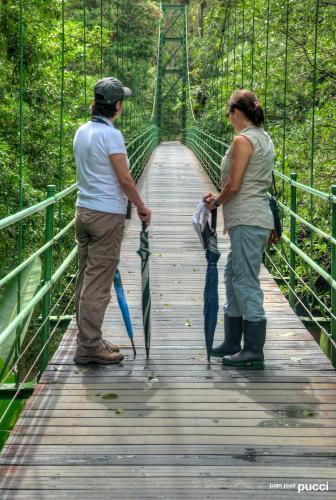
[[246, 177]]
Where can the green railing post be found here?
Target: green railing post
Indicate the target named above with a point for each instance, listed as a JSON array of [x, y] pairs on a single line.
[[49, 232], [333, 264], [292, 255]]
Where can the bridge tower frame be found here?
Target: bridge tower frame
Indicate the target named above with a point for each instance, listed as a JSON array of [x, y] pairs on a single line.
[[172, 61]]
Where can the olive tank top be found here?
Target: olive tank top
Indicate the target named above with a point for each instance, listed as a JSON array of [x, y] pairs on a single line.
[[250, 206]]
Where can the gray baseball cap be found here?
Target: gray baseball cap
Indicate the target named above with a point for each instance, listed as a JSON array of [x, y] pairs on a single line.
[[110, 90]]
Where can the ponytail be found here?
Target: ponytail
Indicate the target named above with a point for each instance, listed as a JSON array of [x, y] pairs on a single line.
[[248, 103]]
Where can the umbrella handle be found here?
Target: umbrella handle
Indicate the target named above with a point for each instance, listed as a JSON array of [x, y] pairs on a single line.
[[144, 226], [214, 219]]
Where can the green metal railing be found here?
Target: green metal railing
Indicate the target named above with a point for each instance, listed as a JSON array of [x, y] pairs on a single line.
[[294, 249], [140, 148], [209, 149], [49, 279]]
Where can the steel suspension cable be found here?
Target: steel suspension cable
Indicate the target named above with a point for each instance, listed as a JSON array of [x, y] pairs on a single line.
[[157, 71], [122, 65], [21, 132], [284, 130], [60, 160], [101, 38], [234, 44], [222, 112], [242, 47], [109, 37], [227, 57], [117, 37], [285, 92], [252, 45], [133, 72], [266, 58], [224, 42], [84, 58], [21, 173], [219, 103], [312, 153]]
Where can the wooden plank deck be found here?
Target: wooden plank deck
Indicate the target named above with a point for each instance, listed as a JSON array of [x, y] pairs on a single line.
[[171, 427]]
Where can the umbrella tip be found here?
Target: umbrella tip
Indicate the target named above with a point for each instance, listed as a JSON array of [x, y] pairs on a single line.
[[208, 358], [147, 352], [133, 347]]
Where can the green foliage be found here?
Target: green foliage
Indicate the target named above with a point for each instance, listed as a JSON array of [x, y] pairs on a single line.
[[52, 113], [232, 42]]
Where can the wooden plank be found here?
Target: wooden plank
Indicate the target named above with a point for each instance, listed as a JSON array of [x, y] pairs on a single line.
[[172, 430], [176, 427], [174, 438], [46, 423], [148, 456], [155, 493], [237, 451], [174, 471], [190, 483]]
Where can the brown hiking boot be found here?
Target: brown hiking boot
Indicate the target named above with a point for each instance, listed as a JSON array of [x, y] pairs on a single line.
[[111, 347], [104, 356]]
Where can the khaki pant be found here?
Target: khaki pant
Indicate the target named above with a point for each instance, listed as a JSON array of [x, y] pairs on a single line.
[[99, 236]]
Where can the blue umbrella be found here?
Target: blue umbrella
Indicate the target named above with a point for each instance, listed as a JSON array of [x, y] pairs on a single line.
[[124, 307], [211, 303]]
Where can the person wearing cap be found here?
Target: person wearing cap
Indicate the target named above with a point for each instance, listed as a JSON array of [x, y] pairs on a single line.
[[104, 187]]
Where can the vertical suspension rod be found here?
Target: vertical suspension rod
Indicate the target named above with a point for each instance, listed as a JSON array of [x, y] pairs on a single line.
[[266, 58], [252, 45], [242, 47], [84, 57], [21, 144], [60, 163], [101, 38]]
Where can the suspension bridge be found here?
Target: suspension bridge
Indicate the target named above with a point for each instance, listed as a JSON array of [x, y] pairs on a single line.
[[170, 426]]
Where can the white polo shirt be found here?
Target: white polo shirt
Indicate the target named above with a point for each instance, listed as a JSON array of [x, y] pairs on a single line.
[[97, 182]]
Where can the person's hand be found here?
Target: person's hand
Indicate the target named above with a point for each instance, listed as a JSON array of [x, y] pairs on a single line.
[[144, 214], [209, 199], [274, 237], [206, 198]]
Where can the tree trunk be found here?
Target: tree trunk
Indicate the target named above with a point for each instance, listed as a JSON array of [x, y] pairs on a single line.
[[201, 9]]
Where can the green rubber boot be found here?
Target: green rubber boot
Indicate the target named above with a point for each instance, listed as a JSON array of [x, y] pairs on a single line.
[[233, 331], [251, 356]]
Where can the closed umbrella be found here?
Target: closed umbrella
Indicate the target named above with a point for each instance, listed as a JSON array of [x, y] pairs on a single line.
[[211, 304], [144, 253], [123, 307]]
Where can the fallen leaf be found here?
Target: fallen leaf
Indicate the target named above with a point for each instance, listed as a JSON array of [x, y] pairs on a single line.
[[308, 413], [296, 360], [110, 396]]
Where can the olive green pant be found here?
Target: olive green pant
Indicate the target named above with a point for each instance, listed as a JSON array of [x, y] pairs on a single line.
[[99, 236]]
